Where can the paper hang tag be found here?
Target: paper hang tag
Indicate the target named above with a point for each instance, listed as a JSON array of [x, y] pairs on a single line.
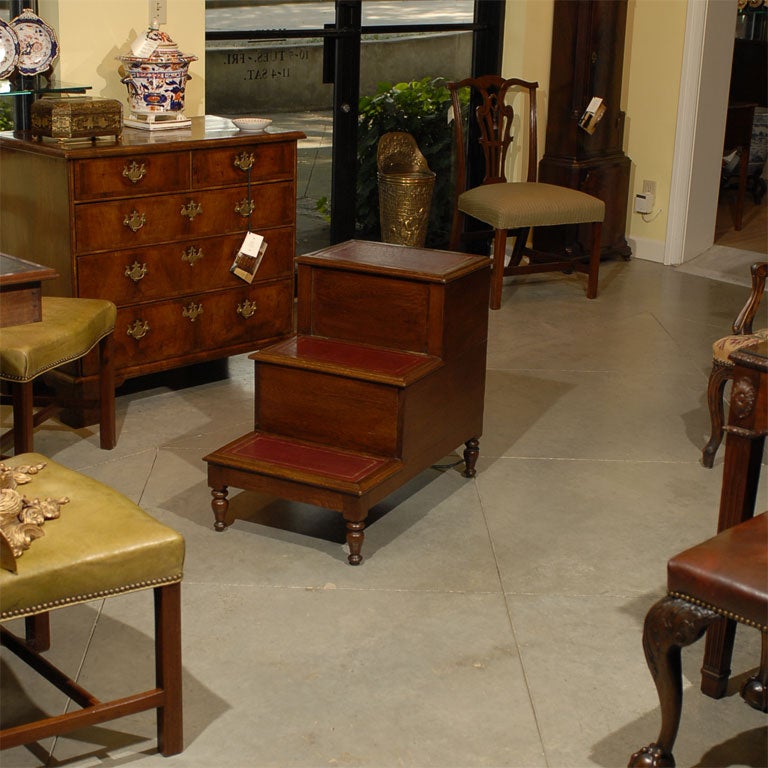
[[592, 115], [143, 47], [249, 257]]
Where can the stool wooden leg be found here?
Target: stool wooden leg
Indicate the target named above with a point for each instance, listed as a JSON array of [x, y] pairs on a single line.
[[670, 625], [37, 631], [23, 417], [107, 432], [594, 259], [170, 730]]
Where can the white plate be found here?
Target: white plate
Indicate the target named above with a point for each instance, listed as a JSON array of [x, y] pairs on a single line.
[[9, 50], [38, 44]]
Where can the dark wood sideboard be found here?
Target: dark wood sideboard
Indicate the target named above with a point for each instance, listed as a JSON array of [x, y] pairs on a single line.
[[153, 222]]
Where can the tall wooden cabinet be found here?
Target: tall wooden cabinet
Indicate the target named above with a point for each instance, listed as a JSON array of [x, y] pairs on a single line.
[[153, 223], [587, 58]]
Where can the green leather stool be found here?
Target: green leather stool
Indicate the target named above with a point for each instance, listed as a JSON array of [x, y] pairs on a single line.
[[69, 329], [101, 546]]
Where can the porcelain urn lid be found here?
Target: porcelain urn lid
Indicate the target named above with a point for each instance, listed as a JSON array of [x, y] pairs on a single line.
[[158, 47]]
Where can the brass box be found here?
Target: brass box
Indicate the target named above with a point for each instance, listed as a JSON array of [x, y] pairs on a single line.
[[76, 118]]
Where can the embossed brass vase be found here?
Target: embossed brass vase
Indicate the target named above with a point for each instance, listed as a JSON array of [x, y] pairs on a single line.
[[405, 190]]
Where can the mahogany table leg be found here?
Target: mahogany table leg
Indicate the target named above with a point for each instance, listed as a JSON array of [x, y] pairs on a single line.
[[471, 452], [355, 538], [671, 624], [220, 505]]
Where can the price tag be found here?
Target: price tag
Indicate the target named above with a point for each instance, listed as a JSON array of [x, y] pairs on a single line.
[[248, 259], [143, 47]]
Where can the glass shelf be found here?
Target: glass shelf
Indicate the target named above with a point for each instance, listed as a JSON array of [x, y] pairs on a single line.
[[38, 85]]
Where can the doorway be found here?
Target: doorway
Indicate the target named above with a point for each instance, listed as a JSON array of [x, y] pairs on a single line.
[[306, 64]]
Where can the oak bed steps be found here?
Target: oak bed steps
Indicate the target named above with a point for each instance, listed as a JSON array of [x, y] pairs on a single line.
[[308, 463], [394, 367]]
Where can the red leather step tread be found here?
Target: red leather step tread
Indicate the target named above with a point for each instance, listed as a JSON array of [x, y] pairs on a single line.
[[316, 459], [365, 361]]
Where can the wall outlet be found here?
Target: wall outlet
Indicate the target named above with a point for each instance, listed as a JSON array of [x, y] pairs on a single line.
[[649, 188], [158, 12]]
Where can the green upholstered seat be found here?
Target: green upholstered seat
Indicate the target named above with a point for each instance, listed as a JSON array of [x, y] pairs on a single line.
[[512, 205], [103, 544], [69, 329]]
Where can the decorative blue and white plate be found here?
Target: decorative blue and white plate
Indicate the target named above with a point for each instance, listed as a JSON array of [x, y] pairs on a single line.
[[38, 44], [9, 50]]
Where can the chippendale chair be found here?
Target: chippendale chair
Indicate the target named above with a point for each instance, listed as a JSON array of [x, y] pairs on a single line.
[[514, 207], [722, 365], [725, 577]]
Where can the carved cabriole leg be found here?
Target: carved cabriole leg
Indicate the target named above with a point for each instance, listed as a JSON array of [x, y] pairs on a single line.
[[755, 690], [471, 452], [355, 538], [670, 625], [219, 505], [718, 378]]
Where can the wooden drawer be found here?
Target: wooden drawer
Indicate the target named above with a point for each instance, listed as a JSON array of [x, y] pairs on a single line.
[[98, 178], [192, 326], [156, 272], [129, 223], [230, 165]]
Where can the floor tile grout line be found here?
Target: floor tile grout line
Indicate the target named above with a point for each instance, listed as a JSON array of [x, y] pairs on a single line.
[[511, 623]]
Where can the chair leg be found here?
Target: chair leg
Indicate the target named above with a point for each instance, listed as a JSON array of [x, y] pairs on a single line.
[[755, 690], [170, 729], [497, 269], [23, 417], [670, 625], [594, 259], [107, 432], [718, 378]]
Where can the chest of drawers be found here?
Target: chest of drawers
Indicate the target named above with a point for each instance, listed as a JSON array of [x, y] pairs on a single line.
[[153, 223]]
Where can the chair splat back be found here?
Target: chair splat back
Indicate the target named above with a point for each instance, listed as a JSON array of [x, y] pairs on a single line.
[[495, 118]]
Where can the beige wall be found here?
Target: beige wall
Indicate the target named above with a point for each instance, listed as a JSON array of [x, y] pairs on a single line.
[[650, 90], [93, 32]]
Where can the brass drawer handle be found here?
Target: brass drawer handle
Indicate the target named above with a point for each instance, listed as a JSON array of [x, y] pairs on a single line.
[[136, 271], [191, 209], [245, 207], [134, 172], [135, 221], [138, 330], [247, 309], [192, 255], [192, 311], [244, 161]]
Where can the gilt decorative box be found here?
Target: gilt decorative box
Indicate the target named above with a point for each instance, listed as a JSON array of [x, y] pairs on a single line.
[[76, 117]]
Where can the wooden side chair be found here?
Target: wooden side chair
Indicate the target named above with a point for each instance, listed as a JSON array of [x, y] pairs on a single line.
[[723, 577], [68, 330], [722, 365], [101, 546], [514, 207]]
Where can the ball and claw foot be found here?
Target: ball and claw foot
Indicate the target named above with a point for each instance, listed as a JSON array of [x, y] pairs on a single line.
[[652, 756], [755, 693]]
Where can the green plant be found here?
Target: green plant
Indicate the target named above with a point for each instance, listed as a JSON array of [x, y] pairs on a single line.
[[420, 108], [6, 115]]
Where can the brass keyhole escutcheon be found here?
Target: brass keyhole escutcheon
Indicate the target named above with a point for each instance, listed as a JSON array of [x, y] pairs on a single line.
[[244, 161], [135, 172], [138, 330], [247, 309], [136, 271], [192, 255], [245, 207], [191, 209], [135, 221], [192, 311]]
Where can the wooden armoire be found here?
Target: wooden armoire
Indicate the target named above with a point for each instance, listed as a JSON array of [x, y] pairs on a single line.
[[587, 59]]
